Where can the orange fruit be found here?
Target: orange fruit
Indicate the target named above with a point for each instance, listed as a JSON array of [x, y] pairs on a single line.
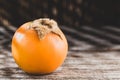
[[39, 47]]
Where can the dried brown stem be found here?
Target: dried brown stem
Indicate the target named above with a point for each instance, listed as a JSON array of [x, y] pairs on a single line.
[[44, 26]]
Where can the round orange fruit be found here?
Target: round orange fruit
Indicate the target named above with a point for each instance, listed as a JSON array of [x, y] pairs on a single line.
[[39, 47]]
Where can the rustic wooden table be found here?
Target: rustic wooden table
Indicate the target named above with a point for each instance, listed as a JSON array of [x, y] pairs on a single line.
[[84, 61], [80, 66]]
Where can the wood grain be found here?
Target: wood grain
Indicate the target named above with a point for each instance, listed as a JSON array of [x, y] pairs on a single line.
[[79, 66]]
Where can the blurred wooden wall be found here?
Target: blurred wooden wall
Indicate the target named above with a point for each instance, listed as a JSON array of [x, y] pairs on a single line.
[[66, 12]]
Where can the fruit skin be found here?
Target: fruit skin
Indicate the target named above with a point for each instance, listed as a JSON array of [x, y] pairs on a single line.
[[37, 56]]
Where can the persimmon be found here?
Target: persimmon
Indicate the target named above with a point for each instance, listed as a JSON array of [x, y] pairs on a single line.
[[39, 46]]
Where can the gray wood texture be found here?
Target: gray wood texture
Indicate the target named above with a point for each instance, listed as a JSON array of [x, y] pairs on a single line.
[[79, 66]]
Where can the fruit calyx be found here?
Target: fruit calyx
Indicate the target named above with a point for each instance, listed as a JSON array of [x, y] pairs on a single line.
[[44, 26]]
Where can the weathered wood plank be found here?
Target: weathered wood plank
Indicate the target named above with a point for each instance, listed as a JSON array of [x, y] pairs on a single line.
[[79, 66]]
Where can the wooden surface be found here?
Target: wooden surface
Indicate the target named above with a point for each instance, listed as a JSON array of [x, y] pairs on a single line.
[[85, 60], [80, 66]]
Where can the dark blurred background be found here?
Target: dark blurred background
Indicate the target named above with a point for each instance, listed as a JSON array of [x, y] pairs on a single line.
[[66, 12], [85, 22]]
